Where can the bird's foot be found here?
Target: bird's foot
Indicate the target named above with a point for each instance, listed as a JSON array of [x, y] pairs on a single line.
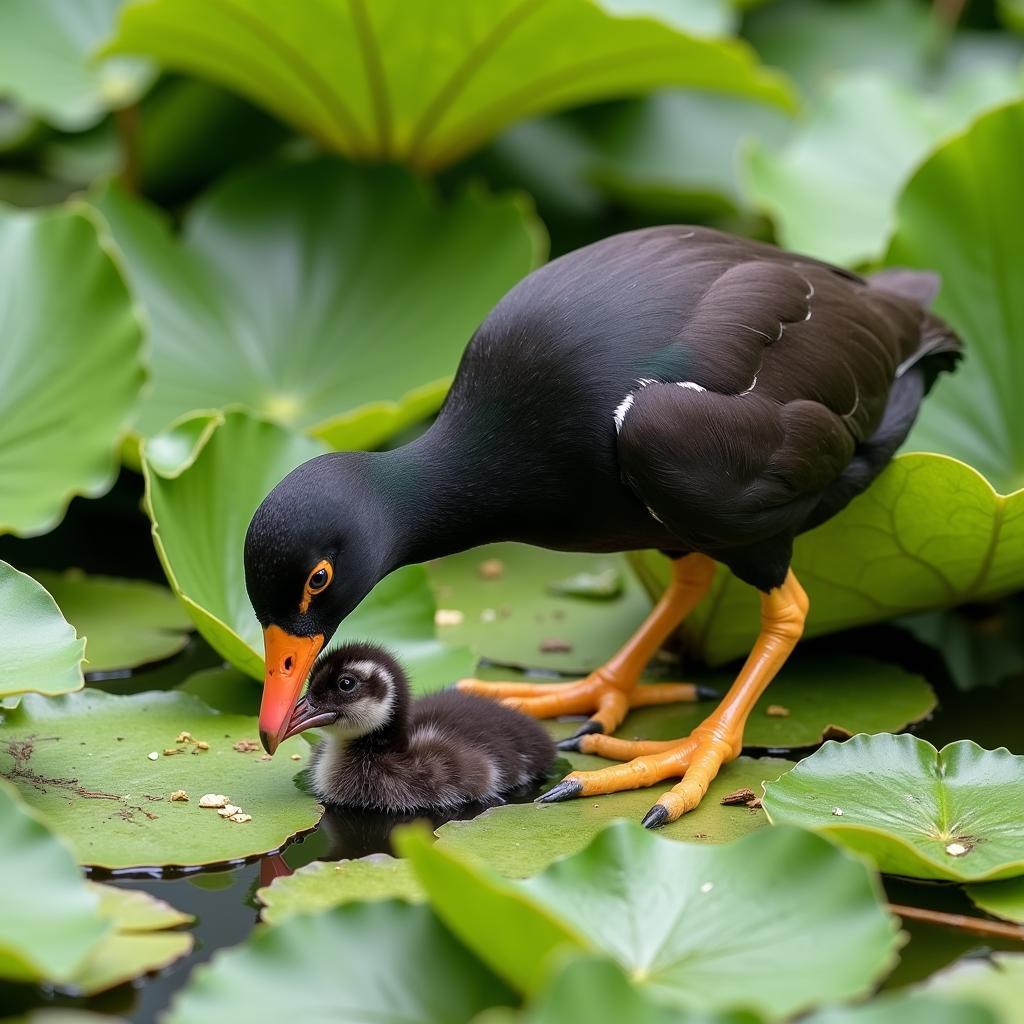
[[604, 695], [696, 759]]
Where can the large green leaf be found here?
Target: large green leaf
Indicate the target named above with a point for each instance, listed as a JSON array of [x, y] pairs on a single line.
[[786, 911], [41, 653], [46, 49], [905, 1008], [426, 83], [519, 840], [200, 514], [929, 532], [126, 622], [995, 982], [385, 962], [50, 920], [321, 885], [324, 296], [83, 762], [962, 216], [69, 365], [914, 810], [1003, 899], [832, 189]]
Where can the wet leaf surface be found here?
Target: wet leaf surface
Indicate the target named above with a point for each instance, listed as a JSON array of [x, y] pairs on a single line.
[[46, 458], [360, 962], [84, 762], [126, 623], [788, 912], [321, 885], [519, 840], [41, 653], [423, 106], [269, 298], [950, 814]]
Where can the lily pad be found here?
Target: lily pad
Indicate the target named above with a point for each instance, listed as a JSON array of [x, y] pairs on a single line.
[[321, 885], [200, 513], [83, 762], [791, 914], [317, 294], [506, 612], [46, 61], [126, 623], [142, 940], [519, 840], [995, 982], [930, 532], [360, 962], [51, 920], [224, 688], [1002, 899], [914, 810], [42, 653], [862, 138], [60, 356], [962, 197], [905, 1008], [425, 84]]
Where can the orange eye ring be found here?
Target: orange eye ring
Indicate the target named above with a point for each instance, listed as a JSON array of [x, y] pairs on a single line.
[[311, 589]]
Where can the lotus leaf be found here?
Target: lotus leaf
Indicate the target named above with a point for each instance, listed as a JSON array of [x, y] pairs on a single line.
[[56, 439], [328, 297], [914, 810], [84, 762]]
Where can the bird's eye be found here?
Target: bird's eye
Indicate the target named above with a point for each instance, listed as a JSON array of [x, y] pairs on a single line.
[[347, 684], [320, 577]]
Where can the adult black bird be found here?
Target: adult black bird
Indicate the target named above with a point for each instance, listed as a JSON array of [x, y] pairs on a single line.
[[674, 388]]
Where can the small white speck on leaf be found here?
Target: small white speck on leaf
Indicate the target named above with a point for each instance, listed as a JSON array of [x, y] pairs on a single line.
[[296, 757], [179, 796], [227, 810], [956, 849], [240, 818], [837, 811], [707, 887], [448, 617], [152, 755], [213, 800], [489, 615]]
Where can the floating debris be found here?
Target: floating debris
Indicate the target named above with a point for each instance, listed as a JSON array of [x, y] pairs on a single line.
[[179, 796], [266, 757], [240, 818], [200, 745], [448, 617], [741, 796], [776, 711], [491, 569], [171, 751], [213, 800], [152, 755], [227, 810], [296, 757], [957, 849], [184, 737], [246, 746], [707, 887], [600, 586], [553, 645], [489, 615], [837, 811]]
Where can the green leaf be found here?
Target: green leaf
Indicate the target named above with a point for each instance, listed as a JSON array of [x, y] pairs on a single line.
[[862, 138], [318, 294], [904, 1008], [82, 761], [42, 653], [962, 216], [995, 983], [51, 919], [140, 943], [320, 886], [200, 515], [509, 615], [914, 810], [519, 840], [793, 916], [930, 532], [69, 335], [1002, 899], [126, 623], [46, 61], [224, 688], [361, 962], [425, 84]]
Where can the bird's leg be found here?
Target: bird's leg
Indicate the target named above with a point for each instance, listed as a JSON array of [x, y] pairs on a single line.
[[610, 691], [718, 739]]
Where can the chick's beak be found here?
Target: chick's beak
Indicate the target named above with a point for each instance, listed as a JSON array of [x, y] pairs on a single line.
[[288, 659]]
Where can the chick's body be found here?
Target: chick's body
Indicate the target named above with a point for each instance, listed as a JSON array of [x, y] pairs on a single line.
[[383, 750]]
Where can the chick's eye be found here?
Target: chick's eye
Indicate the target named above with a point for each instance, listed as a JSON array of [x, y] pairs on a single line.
[[347, 684]]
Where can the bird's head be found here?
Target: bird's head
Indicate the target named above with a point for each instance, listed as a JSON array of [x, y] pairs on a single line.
[[313, 551], [354, 690]]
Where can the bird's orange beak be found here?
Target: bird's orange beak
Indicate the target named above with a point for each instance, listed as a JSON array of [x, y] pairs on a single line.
[[288, 659]]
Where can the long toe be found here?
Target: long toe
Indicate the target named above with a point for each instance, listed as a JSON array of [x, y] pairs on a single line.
[[567, 789]]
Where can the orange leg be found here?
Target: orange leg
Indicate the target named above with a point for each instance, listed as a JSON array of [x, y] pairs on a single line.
[[610, 691], [718, 739]]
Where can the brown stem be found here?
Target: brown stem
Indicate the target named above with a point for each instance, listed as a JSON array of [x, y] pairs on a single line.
[[973, 925], [127, 121]]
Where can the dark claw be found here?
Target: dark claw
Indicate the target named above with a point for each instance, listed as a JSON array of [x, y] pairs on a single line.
[[591, 725], [655, 817], [569, 743], [565, 790], [707, 693]]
